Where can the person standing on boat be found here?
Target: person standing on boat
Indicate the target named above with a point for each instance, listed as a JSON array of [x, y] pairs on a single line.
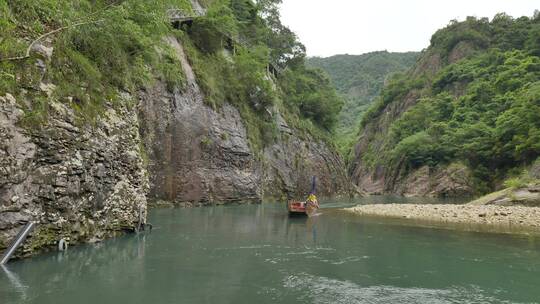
[[312, 199]]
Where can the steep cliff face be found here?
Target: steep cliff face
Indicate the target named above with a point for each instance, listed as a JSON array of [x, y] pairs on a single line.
[[87, 181], [199, 155], [290, 163], [78, 182]]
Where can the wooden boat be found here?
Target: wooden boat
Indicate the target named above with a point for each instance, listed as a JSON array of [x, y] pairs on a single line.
[[308, 207], [301, 208]]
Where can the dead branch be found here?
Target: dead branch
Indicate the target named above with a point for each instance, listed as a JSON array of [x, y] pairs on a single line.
[[29, 49], [2, 73]]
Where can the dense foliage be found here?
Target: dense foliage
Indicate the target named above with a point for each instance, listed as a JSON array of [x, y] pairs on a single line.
[[483, 111], [100, 48], [311, 93], [502, 32], [359, 79], [103, 48]]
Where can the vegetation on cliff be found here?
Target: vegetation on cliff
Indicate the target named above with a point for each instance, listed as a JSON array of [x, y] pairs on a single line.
[[482, 109], [359, 79], [102, 49], [256, 43]]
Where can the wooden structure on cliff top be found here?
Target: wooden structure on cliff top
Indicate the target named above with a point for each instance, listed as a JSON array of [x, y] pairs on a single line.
[[179, 17]]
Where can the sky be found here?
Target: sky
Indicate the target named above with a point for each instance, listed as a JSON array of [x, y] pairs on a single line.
[[329, 27]]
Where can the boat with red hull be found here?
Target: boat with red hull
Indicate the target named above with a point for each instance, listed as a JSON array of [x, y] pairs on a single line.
[[301, 208], [309, 207]]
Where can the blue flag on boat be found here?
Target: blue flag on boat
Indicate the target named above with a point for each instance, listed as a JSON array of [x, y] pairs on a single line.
[[313, 185]]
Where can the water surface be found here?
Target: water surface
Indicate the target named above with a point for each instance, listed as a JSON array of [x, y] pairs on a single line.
[[257, 254]]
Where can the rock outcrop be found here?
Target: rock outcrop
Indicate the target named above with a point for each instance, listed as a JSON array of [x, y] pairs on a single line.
[[290, 163], [378, 179], [526, 193], [451, 181], [78, 182], [524, 196]]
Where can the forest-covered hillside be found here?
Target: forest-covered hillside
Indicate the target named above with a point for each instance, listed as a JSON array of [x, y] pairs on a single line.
[[359, 79], [472, 100]]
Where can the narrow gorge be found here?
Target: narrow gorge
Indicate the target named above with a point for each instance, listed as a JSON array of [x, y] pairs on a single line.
[[85, 176], [197, 151]]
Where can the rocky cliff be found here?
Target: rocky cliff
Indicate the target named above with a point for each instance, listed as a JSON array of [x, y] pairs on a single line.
[[84, 182], [199, 155], [289, 164], [78, 182]]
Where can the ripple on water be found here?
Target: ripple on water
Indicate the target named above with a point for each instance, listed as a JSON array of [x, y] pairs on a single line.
[[317, 289], [347, 259]]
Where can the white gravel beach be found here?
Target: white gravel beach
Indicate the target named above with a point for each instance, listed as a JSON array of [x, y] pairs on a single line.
[[515, 216]]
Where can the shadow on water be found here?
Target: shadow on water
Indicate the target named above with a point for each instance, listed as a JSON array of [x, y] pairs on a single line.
[[257, 253]]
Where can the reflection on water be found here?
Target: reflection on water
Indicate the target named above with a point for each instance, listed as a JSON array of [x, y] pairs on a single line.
[[256, 253], [16, 284]]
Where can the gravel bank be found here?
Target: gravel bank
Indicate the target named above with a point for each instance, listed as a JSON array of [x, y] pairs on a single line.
[[515, 216]]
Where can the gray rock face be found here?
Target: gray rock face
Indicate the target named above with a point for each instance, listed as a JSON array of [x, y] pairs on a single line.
[[452, 181], [199, 155], [378, 179], [290, 163], [196, 155], [43, 50], [78, 183]]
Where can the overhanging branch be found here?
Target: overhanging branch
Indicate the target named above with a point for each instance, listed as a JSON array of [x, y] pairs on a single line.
[[29, 49]]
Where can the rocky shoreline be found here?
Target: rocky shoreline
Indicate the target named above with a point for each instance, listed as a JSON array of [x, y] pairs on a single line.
[[512, 217]]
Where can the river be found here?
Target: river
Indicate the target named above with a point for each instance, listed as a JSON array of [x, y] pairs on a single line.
[[257, 254]]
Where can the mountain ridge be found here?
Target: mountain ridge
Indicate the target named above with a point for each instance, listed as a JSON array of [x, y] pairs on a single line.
[[359, 79]]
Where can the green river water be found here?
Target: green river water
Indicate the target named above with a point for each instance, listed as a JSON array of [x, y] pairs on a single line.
[[257, 254]]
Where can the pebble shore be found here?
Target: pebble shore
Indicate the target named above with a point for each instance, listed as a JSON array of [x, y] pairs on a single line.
[[514, 216]]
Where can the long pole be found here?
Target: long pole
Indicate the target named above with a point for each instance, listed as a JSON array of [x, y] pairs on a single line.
[[18, 241]]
